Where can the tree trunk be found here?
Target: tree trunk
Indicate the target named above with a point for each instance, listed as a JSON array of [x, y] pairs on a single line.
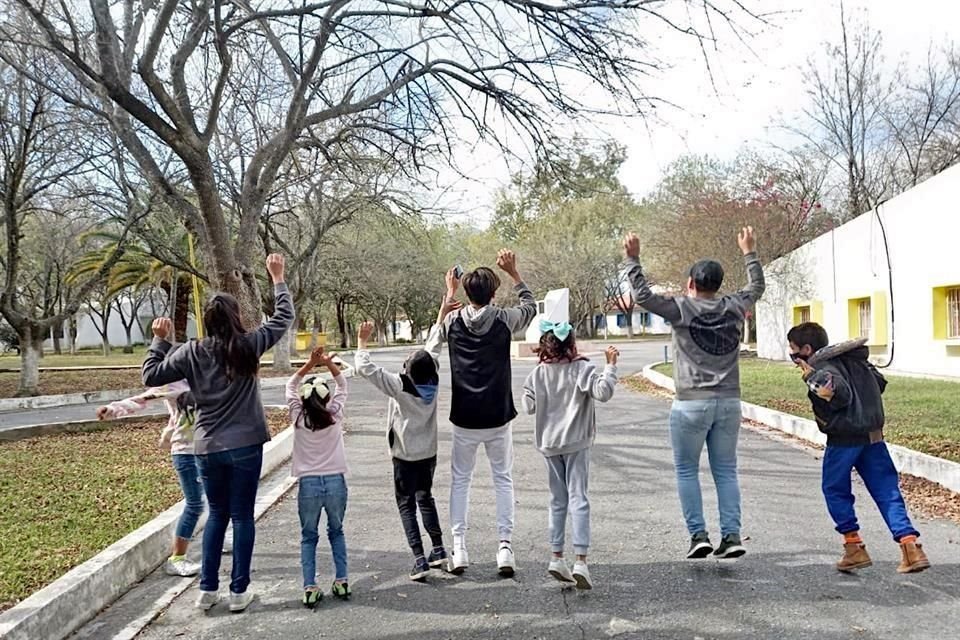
[[342, 324], [182, 310], [57, 337], [106, 344], [31, 350], [128, 348], [72, 334], [281, 351], [629, 317]]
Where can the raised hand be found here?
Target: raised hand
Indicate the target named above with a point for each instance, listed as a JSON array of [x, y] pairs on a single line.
[[316, 356], [612, 354], [162, 328], [275, 267], [453, 282], [507, 260], [364, 333], [746, 240], [449, 305], [631, 245]]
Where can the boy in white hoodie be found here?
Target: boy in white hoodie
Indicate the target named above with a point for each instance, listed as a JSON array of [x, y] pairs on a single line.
[[412, 437], [562, 391]]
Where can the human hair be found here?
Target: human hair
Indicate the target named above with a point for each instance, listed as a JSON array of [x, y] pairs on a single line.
[[809, 333], [553, 349], [221, 319], [480, 285], [422, 368], [315, 414], [707, 276]]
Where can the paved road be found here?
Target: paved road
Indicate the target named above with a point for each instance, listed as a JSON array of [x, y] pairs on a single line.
[[785, 588]]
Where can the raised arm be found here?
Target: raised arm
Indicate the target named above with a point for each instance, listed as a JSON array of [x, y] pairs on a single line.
[[388, 383], [600, 385], [755, 282], [158, 369], [279, 323], [827, 385], [519, 317], [664, 306], [137, 403]]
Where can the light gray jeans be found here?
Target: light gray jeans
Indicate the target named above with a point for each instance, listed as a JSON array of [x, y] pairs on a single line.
[[568, 476]]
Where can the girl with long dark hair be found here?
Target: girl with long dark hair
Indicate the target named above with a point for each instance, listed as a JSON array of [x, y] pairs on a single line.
[[230, 428]]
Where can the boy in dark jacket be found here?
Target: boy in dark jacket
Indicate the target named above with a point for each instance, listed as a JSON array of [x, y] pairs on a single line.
[[846, 392]]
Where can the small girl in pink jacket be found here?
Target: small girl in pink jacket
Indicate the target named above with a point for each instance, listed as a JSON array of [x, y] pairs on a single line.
[[178, 437]]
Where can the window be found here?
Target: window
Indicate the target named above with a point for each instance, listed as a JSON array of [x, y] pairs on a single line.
[[803, 315], [621, 320], [541, 307], [864, 315], [644, 319], [953, 313]]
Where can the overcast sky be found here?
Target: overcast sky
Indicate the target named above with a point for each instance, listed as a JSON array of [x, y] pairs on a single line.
[[755, 90]]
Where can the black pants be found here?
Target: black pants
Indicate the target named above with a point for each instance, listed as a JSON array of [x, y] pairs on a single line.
[[413, 484]]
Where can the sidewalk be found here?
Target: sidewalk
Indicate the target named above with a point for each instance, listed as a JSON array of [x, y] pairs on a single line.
[[785, 588]]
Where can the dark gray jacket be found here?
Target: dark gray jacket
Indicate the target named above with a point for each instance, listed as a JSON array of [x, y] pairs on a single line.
[[229, 414]]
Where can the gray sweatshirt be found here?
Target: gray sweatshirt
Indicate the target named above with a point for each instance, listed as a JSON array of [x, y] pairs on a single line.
[[229, 414], [411, 419], [563, 395], [706, 332]]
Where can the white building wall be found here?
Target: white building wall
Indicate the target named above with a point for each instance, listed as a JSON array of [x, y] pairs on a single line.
[[922, 230], [644, 323]]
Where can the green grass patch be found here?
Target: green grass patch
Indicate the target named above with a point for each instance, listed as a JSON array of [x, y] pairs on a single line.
[[69, 496], [921, 414]]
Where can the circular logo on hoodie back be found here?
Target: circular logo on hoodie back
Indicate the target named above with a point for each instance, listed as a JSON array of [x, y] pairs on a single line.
[[715, 333]]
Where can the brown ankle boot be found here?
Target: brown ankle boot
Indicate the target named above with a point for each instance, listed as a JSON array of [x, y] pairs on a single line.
[[914, 559], [855, 557]]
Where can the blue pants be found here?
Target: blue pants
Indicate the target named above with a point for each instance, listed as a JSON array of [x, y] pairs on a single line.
[[318, 494], [230, 480], [716, 423], [875, 467], [188, 473]]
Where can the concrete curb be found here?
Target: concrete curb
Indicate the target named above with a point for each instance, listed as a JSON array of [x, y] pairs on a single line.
[[63, 606], [943, 472], [70, 399]]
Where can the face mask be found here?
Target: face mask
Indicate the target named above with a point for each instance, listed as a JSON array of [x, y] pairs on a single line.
[[797, 357]]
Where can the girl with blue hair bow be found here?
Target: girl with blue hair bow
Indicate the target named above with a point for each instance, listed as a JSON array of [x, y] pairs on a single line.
[[562, 392]]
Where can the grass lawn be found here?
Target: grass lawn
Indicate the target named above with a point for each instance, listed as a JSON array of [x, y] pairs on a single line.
[[69, 496], [921, 414]]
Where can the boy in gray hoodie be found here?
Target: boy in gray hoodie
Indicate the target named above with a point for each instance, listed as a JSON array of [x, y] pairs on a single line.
[[412, 437]]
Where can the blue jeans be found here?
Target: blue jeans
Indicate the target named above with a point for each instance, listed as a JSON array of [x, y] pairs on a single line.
[[185, 465], [316, 494], [230, 480], [715, 422], [875, 467]]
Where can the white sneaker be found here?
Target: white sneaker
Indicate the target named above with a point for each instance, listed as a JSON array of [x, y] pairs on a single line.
[[582, 575], [240, 601], [460, 561], [207, 599], [506, 565], [559, 570], [182, 567]]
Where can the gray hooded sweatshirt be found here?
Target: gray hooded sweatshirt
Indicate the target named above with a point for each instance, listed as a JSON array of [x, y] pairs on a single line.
[[411, 419], [706, 332], [563, 396]]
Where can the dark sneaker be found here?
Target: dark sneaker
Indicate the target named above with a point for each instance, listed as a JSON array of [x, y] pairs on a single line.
[[341, 590], [700, 546], [730, 547], [420, 569], [438, 557], [312, 597]]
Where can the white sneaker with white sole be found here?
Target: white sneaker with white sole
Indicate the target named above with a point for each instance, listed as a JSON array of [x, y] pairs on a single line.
[[182, 568], [581, 574], [460, 561], [240, 601], [559, 570], [506, 564], [207, 599]]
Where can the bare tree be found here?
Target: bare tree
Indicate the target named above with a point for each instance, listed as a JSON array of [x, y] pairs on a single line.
[[846, 108], [45, 153], [333, 72], [923, 120]]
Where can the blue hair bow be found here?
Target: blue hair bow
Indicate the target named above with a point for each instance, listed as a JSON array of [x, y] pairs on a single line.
[[560, 329]]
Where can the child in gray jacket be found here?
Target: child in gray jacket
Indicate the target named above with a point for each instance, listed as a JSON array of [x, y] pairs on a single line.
[[562, 391], [412, 437]]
